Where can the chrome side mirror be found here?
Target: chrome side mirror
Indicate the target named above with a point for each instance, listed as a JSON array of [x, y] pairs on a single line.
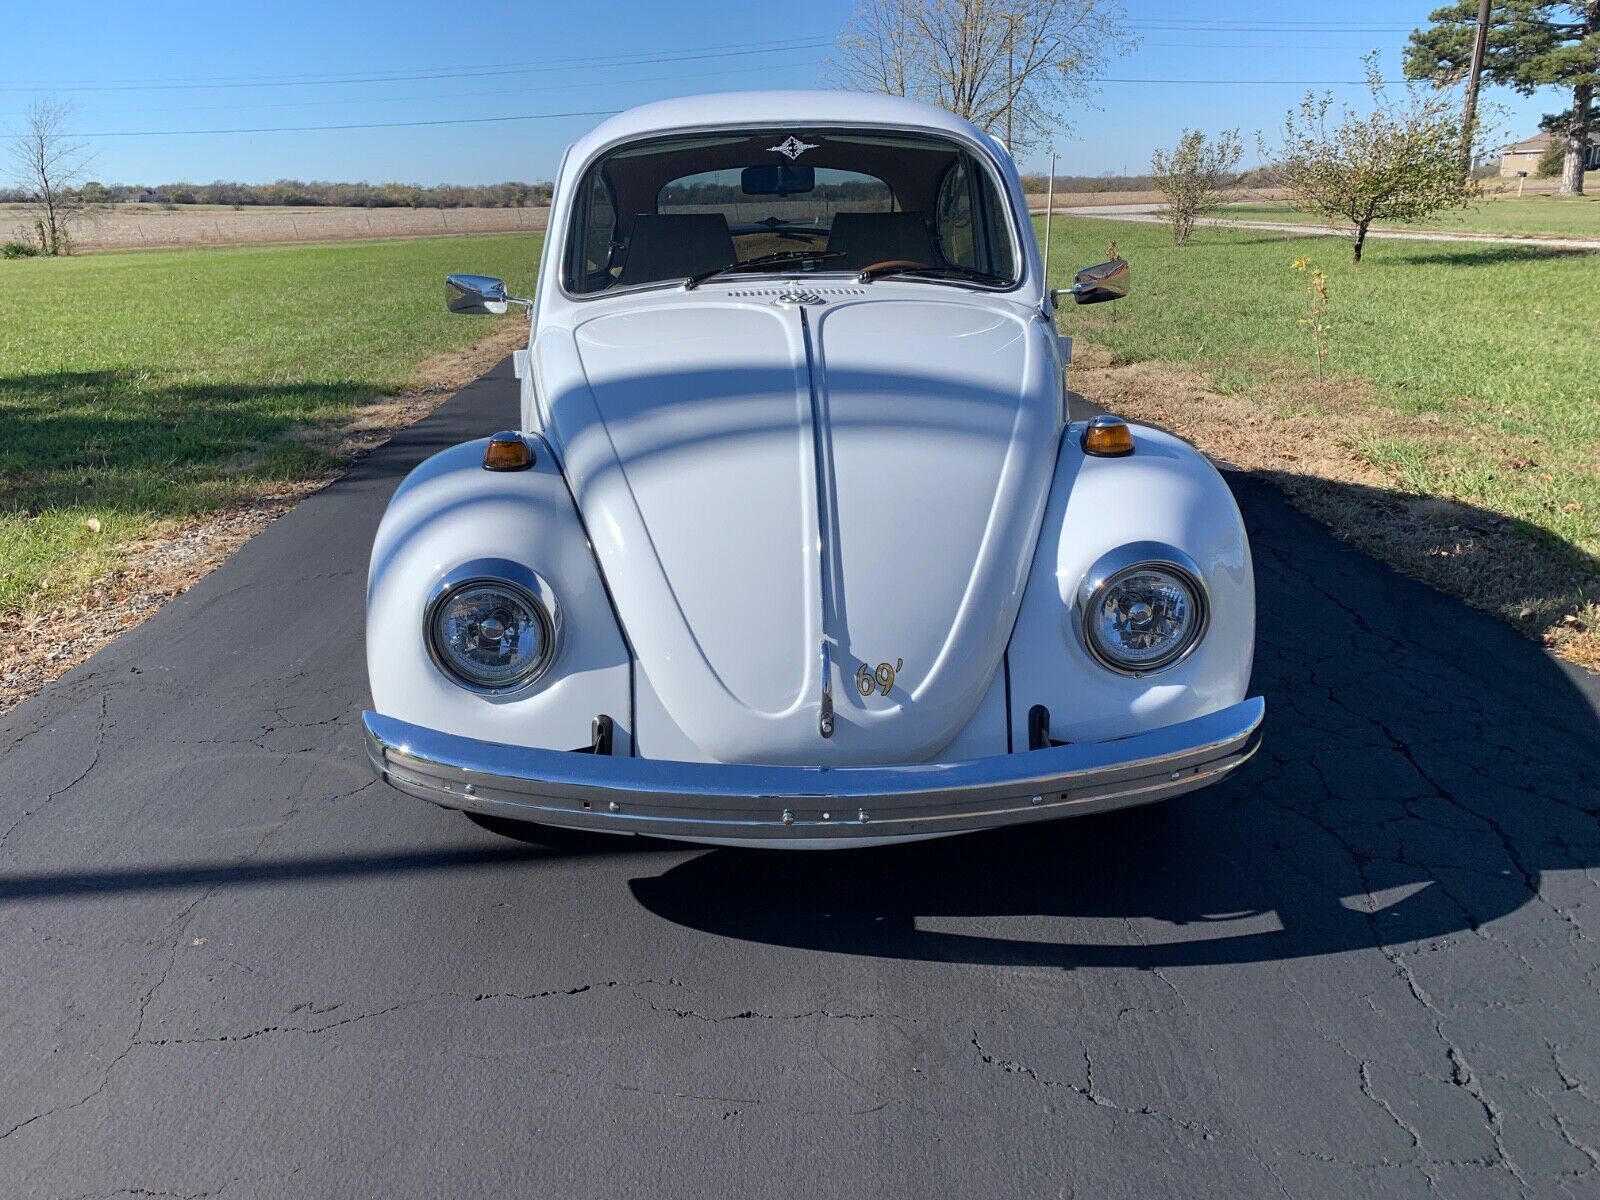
[[478, 294], [1097, 284]]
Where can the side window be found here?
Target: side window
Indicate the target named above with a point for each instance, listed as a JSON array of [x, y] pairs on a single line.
[[955, 217], [994, 239], [599, 231], [972, 221]]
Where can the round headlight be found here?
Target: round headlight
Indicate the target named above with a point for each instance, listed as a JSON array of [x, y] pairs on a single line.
[[1144, 617], [491, 634]]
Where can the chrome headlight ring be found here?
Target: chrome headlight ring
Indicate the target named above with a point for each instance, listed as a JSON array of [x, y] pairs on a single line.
[[526, 589], [1117, 565]]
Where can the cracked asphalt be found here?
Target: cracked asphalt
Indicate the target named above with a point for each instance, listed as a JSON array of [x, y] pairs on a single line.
[[234, 965]]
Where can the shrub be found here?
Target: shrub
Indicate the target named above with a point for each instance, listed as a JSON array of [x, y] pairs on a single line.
[[1194, 177], [1552, 160], [18, 250]]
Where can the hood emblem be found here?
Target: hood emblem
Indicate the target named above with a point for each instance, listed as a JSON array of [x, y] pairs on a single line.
[[793, 294], [878, 679], [791, 147]]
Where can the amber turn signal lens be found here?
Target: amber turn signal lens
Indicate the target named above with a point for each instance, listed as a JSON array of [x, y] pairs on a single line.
[[507, 452], [1108, 437]]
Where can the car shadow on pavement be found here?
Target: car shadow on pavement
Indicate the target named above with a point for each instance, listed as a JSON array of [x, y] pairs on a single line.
[[1423, 768], [1425, 771]]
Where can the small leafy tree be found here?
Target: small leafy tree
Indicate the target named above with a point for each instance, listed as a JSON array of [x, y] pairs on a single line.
[[1194, 176], [1401, 162]]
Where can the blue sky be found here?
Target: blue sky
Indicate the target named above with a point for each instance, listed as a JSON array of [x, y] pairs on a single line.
[[254, 66]]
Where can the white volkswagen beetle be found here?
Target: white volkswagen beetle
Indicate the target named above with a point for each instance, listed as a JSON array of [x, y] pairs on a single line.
[[795, 544]]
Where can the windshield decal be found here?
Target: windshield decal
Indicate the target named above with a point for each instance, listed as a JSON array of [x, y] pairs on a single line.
[[792, 147]]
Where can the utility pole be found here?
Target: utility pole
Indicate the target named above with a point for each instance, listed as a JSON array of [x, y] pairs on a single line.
[[1469, 109]]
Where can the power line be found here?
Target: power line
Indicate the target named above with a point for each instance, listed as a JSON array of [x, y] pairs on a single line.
[[1243, 21], [429, 72], [1266, 27], [347, 100], [409, 99], [1178, 24], [116, 133], [596, 112], [1267, 82], [723, 50], [1250, 45], [399, 74]]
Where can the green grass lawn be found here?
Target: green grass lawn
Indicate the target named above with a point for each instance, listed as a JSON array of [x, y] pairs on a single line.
[[1527, 216], [1495, 347], [143, 388]]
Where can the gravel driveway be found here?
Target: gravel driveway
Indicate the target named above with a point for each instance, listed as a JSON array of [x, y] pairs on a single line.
[[1147, 213]]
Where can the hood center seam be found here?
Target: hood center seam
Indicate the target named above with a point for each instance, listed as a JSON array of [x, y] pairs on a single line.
[[827, 510]]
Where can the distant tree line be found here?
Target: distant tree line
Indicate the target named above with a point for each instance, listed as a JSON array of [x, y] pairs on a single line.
[[1090, 184], [309, 194], [733, 193]]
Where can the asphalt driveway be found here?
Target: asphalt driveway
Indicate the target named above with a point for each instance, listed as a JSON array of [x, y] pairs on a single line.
[[231, 963]]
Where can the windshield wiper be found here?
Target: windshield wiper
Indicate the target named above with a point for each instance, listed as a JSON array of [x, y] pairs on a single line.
[[762, 260], [950, 271]]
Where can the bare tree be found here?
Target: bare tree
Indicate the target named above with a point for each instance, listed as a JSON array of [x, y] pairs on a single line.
[[1401, 162], [1194, 176], [1009, 66], [47, 165]]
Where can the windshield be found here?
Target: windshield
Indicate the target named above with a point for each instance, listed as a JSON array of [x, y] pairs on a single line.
[[675, 208]]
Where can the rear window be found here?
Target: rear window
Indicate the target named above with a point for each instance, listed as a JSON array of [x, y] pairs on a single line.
[[830, 191]]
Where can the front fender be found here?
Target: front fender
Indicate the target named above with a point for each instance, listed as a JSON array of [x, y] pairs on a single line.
[[447, 512], [1166, 491]]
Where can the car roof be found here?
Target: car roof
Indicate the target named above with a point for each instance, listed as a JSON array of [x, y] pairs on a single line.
[[795, 109]]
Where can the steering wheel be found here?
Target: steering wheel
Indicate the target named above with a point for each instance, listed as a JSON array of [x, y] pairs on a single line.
[[885, 264]]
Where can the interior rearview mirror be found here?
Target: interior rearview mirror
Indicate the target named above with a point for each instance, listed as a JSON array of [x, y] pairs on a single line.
[[777, 179], [1097, 284], [475, 294]]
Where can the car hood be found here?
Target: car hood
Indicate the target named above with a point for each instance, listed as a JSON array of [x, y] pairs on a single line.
[[781, 496]]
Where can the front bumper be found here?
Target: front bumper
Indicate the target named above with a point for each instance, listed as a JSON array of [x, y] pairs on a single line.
[[720, 802]]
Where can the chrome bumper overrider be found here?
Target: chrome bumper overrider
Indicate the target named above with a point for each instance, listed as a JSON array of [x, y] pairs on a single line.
[[739, 801]]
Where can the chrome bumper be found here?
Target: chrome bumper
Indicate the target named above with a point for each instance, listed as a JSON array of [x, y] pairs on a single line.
[[739, 802]]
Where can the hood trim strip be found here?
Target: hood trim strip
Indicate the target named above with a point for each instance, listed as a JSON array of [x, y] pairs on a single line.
[[822, 460]]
